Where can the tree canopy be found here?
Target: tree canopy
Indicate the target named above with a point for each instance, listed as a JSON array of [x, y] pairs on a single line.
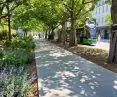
[[45, 14]]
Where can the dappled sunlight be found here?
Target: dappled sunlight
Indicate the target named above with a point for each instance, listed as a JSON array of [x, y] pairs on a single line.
[[77, 84], [64, 74], [59, 92], [59, 53], [115, 84], [102, 45]]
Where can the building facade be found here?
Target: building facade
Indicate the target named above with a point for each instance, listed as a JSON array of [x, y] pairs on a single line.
[[100, 11]]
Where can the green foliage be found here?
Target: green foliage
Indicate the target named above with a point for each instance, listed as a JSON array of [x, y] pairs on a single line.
[[13, 58], [107, 20], [1, 54], [108, 1], [47, 11], [14, 78], [11, 5], [25, 44], [24, 16], [15, 83], [18, 51], [81, 9], [3, 34]]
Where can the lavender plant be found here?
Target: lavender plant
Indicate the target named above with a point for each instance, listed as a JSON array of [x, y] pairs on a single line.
[[13, 85], [13, 74]]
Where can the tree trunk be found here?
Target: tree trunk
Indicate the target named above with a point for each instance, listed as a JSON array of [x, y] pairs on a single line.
[[63, 33], [59, 36], [49, 35], [114, 11], [9, 22], [25, 33], [113, 40], [73, 28], [52, 33], [46, 35], [113, 48]]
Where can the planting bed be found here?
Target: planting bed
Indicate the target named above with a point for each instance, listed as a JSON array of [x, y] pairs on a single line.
[[98, 56], [18, 76]]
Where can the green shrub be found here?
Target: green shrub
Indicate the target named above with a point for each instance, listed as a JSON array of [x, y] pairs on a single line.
[[14, 35], [13, 75], [7, 43], [13, 58], [1, 54], [3, 34], [25, 44], [18, 51]]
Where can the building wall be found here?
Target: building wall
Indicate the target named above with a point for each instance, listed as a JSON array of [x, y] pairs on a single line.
[[100, 11]]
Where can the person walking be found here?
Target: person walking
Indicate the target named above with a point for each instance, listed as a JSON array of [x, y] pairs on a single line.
[[39, 35]]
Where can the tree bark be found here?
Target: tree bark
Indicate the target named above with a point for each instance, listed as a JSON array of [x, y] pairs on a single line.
[[113, 48], [49, 35], [9, 22], [63, 31], [46, 35], [73, 28], [113, 40], [59, 36], [52, 33], [114, 11]]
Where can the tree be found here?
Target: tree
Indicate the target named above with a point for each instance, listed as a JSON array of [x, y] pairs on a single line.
[[77, 9], [108, 20], [113, 41], [48, 12], [63, 20], [7, 7]]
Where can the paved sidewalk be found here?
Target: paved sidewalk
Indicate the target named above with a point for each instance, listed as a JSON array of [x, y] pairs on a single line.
[[63, 74]]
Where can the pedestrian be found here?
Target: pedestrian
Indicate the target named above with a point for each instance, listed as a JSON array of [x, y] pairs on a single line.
[[99, 38], [39, 35]]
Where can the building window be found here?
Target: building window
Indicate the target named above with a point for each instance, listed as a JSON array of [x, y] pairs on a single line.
[[94, 11], [106, 8], [99, 10], [97, 3], [103, 1], [98, 21], [103, 9], [102, 20]]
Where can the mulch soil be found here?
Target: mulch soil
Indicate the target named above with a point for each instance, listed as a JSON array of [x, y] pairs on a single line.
[[95, 55], [33, 91]]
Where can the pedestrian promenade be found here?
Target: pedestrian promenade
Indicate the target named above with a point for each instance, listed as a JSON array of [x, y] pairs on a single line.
[[63, 74]]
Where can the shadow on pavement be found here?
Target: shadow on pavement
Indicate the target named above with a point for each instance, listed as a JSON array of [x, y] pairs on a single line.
[[63, 74]]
